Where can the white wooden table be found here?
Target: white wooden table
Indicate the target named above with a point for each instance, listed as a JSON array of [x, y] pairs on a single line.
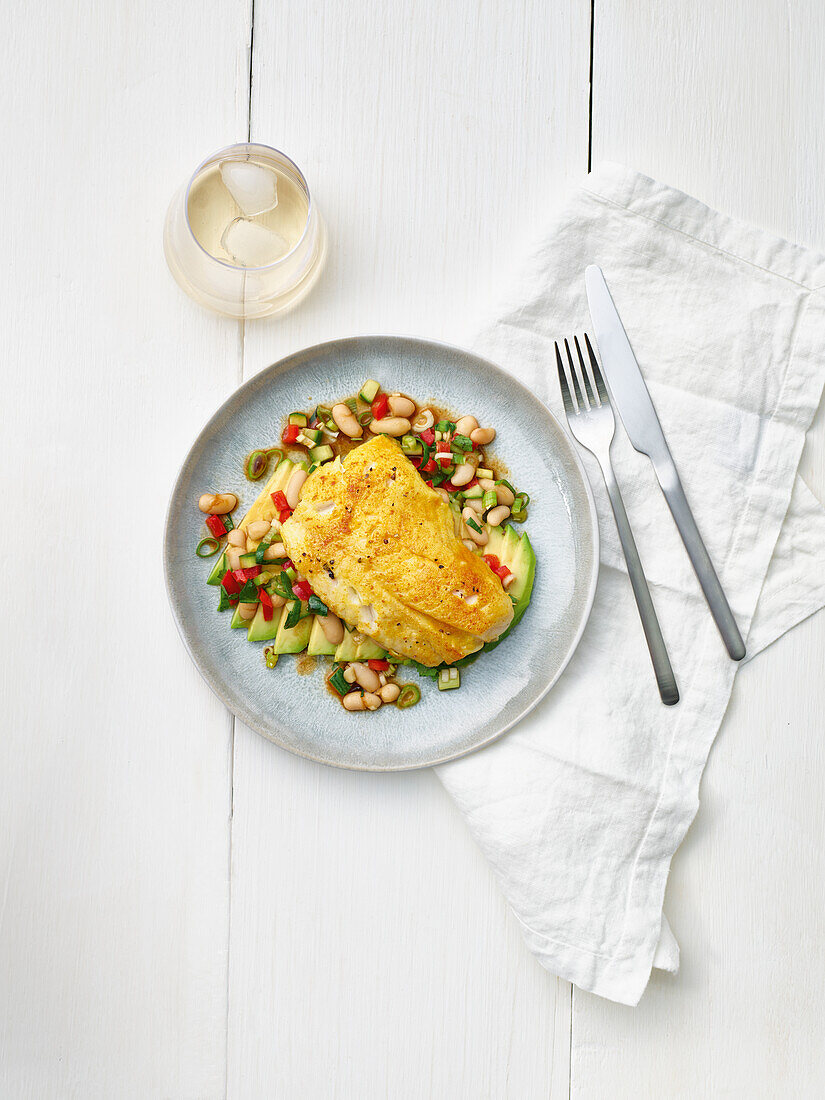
[[185, 910]]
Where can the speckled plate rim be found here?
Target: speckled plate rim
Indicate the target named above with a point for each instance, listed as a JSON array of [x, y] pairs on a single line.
[[283, 366]]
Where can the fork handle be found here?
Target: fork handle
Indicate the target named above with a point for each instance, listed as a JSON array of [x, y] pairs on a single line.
[[665, 679]]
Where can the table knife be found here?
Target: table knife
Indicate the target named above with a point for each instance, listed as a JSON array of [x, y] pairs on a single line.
[[631, 398]]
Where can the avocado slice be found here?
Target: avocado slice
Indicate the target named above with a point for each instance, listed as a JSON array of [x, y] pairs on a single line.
[[523, 565], [218, 570], [318, 644], [260, 630], [237, 621], [368, 650], [347, 648], [294, 639]]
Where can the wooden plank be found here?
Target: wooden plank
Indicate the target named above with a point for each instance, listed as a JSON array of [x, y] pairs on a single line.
[[724, 102], [371, 953], [114, 759]]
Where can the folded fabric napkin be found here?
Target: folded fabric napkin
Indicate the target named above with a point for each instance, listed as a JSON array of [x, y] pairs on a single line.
[[582, 806]]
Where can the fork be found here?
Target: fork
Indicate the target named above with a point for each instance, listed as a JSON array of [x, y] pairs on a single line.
[[592, 424]]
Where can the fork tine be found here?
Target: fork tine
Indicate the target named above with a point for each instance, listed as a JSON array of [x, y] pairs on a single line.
[[585, 376], [565, 388], [597, 374], [578, 390]]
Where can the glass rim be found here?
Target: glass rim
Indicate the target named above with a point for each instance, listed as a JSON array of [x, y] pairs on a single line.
[[229, 149]]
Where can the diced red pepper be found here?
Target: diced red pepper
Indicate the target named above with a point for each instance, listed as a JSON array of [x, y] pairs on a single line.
[[380, 406], [281, 506], [230, 583], [492, 561], [302, 589], [287, 564], [378, 666], [428, 437], [471, 484], [416, 460], [445, 460], [291, 433], [502, 573], [428, 466], [443, 445], [244, 575], [216, 526], [266, 604]]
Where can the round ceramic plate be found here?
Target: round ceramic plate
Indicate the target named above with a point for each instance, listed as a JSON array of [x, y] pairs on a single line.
[[296, 711]]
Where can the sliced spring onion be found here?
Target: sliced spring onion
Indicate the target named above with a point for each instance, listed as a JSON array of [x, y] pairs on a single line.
[[338, 682], [270, 656], [448, 678], [364, 418], [408, 697], [506, 484], [484, 472], [462, 442], [411, 445], [489, 500], [291, 573], [207, 547], [255, 465], [317, 605], [352, 404], [293, 615], [472, 523], [228, 522], [445, 426], [518, 517]]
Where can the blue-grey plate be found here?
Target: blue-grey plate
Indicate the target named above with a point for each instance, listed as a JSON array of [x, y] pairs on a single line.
[[296, 711]]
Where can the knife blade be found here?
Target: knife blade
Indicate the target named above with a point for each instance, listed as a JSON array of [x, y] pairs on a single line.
[[632, 400]]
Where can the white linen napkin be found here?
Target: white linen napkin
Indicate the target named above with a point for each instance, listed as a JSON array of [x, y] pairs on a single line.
[[581, 807]]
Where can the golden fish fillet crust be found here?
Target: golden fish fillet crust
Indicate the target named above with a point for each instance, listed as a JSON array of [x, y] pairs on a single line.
[[378, 546]]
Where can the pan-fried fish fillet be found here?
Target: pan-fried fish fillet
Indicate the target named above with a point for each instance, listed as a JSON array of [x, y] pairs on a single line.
[[378, 546]]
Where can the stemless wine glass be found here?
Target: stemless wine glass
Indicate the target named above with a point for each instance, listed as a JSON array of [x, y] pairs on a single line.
[[243, 236]]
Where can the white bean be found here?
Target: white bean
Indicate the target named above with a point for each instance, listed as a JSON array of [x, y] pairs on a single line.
[[365, 676], [258, 529], [465, 425], [274, 551], [497, 516], [233, 557], [390, 425], [504, 495], [217, 504], [401, 406], [479, 538], [463, 474], [246, 611], [475, 504], [293, 489], [482, 436], [278, 601], [486, 484], [332, 627], [354, 700], [371, 702], [469, 544], [390, 692], [443, 494], [349, 674], [344, 418], [424, 420], [236, 538]]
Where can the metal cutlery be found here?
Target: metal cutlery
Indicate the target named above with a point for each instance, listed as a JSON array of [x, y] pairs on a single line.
[[631, 398], [592, 423]]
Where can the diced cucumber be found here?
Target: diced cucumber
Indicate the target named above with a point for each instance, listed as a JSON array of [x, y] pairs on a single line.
[[475, 492], [218, 570], [483, 472], [298, 418], [324, 453], [310, 437], [369, 391], [248, 560], [448, 678]]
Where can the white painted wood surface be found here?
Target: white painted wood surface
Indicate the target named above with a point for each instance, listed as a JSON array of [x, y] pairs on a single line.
[[185, 910]]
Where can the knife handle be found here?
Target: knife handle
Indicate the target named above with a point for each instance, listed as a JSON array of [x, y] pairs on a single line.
[[665, 678], [700, 560]]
